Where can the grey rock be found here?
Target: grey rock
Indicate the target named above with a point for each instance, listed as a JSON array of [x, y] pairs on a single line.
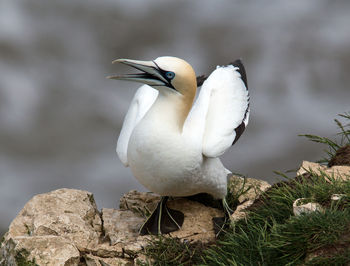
[[64, 212], [302, 205], [135, 206], [247, 190], [64, 227], [340, 172], [337, 197], [92, 260], [40, 250]]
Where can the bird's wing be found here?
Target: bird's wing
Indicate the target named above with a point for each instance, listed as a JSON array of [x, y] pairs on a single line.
[[221, 112], [143, 99]]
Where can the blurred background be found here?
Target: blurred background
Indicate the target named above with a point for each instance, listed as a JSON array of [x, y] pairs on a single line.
[[60, 117]]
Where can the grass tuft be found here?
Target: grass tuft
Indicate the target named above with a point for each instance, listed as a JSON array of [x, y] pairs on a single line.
[[172, 251], [333, 145], [271, 235]]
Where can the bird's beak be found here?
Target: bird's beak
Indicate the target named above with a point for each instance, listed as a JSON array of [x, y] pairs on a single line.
[[150, 75]]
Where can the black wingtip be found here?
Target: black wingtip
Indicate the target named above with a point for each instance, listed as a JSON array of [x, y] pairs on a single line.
[[200, 80], [238, 63], [239, 131]]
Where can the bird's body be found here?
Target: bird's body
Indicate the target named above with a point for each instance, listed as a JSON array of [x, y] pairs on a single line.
[[169, 162], [172, 144]]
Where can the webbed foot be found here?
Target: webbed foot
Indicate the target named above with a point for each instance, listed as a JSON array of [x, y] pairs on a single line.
[[163, 220]]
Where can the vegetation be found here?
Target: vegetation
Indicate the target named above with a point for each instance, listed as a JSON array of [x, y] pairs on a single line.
[[272, 235], [172, 251], [334, 145], [22, 259]]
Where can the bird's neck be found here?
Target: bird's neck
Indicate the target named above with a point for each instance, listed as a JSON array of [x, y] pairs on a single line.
[[170, 110]]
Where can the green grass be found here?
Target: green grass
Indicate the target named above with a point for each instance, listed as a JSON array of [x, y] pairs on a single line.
[[271, 234], [334, 145], [172, 251]]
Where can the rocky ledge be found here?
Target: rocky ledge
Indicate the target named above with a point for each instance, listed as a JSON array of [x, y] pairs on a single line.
[[64, 227]]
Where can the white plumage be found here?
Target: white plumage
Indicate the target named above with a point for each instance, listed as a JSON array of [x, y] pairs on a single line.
[[173, 161], [221, 104], [140, 104]]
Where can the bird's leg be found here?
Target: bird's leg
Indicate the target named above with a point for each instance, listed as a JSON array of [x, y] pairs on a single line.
[[163, 220]]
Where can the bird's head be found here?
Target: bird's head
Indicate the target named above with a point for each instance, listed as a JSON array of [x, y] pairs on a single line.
[[167, 74]]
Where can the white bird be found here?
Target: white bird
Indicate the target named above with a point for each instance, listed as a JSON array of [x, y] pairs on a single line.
[[171, 143]]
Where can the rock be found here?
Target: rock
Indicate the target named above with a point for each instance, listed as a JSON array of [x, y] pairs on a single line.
[[338, 172], [143, 260], [300, 206], [53, 228], [336, 197], [247, 191], [240, 212], [64, 212], [92, 260], [121, 228], [125, 230], [64, 227], [41, 250], [197, 225], [143, 203]]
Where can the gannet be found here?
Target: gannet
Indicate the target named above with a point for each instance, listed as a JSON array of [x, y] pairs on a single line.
[[173, 144]]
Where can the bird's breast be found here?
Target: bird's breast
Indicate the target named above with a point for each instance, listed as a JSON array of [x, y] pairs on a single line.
[[162, 159]]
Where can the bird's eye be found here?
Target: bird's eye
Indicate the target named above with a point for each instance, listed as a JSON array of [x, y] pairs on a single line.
[[170, 75]]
